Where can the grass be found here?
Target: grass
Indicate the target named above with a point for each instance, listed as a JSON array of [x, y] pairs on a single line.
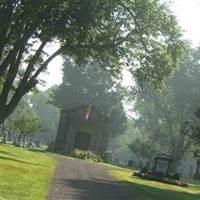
[[152, 190], [113, 166], [24, 175]]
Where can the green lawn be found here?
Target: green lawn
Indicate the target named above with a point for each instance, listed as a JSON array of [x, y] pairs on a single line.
[[152, 190], [24, 175]]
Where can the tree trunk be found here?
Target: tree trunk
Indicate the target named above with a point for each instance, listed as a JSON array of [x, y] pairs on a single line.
[[197, 172], [179, 148], [176, 158], [4, 114], [5, 138], [7, 109], [19, 138], [24, 140], [15, 141]]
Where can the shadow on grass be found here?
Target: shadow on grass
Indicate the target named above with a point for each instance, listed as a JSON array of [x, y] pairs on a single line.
[[6, 153], [16, 160], [153, 193], [192, 181]]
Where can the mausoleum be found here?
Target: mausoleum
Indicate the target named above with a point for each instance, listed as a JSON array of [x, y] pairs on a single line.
[[82, 128]]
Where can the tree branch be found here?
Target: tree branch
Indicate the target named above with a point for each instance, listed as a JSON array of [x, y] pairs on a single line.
[[12, 73], [137, 24], [19, 44], [32, 62], [5, 21]]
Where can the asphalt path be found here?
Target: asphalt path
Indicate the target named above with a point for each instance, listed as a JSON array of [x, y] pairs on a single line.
[[80, 180]]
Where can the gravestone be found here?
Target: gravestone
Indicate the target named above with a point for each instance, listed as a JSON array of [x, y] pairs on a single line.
[[162, 164]]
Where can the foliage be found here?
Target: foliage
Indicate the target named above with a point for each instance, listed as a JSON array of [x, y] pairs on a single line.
[[144, 170], [27, 174], [51, 147], [119, 144], [142, 35], [26, 125], [94, 86], [143, 148], [175, 176], [129, 135], [166, 118], [47, 113], [24, 120], [106, 156], [86, 155]]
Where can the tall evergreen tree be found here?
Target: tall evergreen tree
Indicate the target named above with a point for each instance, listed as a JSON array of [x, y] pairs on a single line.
[[92, 85]]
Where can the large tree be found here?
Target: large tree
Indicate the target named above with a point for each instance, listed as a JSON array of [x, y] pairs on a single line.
[[142, 34], [167, 118], [195, 136]]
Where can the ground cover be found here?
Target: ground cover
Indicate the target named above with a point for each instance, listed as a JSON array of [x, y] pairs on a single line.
[[152, 190], [24, 175]]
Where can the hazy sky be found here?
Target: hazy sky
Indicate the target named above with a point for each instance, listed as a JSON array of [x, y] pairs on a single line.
[[188, 15]]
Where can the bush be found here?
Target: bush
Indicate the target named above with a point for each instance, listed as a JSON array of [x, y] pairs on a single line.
[[106, 157], [86, 155], [144, 170], [159, 178], [174, 176], [50, 147]]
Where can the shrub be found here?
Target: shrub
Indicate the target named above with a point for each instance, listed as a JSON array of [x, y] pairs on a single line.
[[50, 147], [144, 170], [86, 155], [175, 176], [159, 178], [106, 157]]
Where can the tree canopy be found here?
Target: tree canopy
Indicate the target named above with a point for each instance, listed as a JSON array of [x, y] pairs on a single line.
[[24, 122], [47, 113], [26, 125], [167, 118], [142, 35]]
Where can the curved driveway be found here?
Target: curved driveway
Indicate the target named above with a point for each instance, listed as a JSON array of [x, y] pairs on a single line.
[[80, 180]]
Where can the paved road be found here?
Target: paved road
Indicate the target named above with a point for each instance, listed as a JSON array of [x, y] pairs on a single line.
[[80, 180]]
